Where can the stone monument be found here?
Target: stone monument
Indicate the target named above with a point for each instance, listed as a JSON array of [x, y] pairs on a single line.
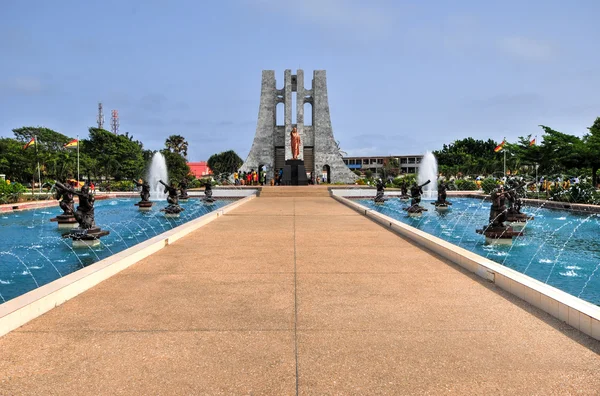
[[300, 148]]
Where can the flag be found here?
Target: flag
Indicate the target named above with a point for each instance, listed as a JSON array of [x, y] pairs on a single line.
[[72, 143], [500, 146], [532, 143], [32, 142]]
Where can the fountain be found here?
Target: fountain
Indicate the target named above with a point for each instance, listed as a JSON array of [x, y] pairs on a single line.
[[67, 203], [173, 209], [441, 204], [379, 198], [496, 231], [428, 170], [145, 205], [416, 190], [87, 234], [157, 172], [183, 186]]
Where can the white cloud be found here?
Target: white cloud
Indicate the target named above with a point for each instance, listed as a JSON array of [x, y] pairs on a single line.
[[527, 48], [334, 14]]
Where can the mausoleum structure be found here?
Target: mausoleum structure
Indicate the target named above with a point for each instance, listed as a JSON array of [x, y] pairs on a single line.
[[275, 147]]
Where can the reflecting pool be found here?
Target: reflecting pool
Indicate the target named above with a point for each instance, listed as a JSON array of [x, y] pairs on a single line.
[[560, 248], [33, 252]]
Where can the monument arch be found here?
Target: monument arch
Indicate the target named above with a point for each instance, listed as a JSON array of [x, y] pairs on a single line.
[[302, 153]]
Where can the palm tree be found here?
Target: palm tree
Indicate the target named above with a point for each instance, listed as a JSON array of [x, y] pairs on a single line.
[[177, 144]]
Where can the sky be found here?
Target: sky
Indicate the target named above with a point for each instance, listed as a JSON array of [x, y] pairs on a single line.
[[403, 76]]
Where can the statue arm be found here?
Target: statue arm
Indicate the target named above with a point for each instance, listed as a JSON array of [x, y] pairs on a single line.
[[137, 183]]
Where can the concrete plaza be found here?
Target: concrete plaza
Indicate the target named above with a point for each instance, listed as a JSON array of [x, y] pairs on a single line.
[[296, 295]]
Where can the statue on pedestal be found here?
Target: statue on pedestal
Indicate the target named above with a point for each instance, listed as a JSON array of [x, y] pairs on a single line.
[[208, 192], [145, 193], [379, 198], [144, 204], [173, 209], [183, 186], [441, 203], [66, 194], [87, 233], [295, 143], [415, 192], [67, 204]]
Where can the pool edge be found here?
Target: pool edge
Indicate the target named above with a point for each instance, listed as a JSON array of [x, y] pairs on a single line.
[[580, 314], [22, 309]]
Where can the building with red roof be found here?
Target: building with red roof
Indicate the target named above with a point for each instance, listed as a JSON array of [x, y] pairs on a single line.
[[199, 169]]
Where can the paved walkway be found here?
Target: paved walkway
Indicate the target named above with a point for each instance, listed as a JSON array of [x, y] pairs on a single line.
[[289, 296]]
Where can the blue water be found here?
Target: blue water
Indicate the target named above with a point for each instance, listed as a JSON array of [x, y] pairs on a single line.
[[33, 253], [559, 248]]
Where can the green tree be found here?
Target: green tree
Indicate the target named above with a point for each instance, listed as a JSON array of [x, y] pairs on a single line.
[[560, 151], [224, 163], [116, 156], [592, 149], [469, 156], [177, 166], [177, 144]]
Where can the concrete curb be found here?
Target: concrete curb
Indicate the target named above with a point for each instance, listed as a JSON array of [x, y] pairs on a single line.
[[574, 311], [20, 310]]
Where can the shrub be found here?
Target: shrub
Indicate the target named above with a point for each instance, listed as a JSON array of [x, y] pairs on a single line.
[[488, 184], [577, 193], [10, 193], [122, 185], [369, 173], [465, 185], [361, 182]]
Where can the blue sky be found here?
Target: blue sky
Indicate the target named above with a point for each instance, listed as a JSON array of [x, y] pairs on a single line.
[[403, 76]]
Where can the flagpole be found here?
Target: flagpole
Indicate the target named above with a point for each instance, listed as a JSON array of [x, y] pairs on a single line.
[[38, 162], [504, 162], [77, 160]]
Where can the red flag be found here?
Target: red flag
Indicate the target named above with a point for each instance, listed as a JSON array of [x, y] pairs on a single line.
[[532, 143], [500, 146], [31, 143]]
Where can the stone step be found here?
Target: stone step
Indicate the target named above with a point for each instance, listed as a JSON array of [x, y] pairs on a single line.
[[294, 191]]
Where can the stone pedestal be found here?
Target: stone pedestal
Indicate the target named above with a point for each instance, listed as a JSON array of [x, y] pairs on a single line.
[[294, 173], [65, 221], [144, 206], [86, 237]]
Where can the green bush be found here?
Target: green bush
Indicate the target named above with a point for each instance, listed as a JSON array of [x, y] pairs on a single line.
[[10, 193], [577, 193], [123, 185], [369, 173], [488, 184], [465, 185]]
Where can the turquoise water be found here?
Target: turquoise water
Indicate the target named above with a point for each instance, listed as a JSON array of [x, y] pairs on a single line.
[[559, 248], [33, 253]]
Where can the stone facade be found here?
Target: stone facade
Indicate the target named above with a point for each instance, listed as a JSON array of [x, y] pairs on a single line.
[[270, 137]]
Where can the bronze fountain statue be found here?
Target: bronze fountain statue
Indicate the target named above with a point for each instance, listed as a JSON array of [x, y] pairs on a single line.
[[87, 234], [208, 192], [67, 204], [145, 204], [514, 216], [496, 231], [442, 204], [183, 186], [415, 210], [379, 198], [404, 191], [173, 209]]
